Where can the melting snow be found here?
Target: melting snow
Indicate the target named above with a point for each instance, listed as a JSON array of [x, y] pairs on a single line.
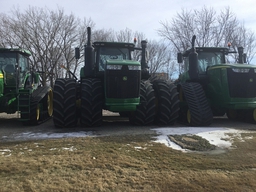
[[220, 137], [32, 135]]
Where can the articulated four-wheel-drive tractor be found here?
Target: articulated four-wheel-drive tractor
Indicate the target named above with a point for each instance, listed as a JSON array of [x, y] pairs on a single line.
[[110, 79], [20, 90], [211, 87]]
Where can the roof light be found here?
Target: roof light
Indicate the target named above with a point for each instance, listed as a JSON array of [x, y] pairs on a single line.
[[135, 40], [240, 70], [134, 67], [114, 67]]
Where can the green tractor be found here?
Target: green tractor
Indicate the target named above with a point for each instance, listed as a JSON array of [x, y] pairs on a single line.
[[20, 90], [110, 79], [211, 87]]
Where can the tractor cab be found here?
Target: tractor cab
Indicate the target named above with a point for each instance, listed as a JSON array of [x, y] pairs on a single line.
[[108, 51], [14, 65], [207, 57]]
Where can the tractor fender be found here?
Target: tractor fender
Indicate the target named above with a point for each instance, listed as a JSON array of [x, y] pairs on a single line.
[[40, 92]]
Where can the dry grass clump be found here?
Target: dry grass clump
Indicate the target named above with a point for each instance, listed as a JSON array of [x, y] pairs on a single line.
[[124, 163]]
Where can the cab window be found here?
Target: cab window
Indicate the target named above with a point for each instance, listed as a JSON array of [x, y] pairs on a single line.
[[106, 53]]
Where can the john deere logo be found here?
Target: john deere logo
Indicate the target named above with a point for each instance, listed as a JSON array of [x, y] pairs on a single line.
[[124, 78]]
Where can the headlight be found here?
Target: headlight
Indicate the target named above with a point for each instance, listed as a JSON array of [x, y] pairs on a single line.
[[114, 67], [134, 67], [240, 70]]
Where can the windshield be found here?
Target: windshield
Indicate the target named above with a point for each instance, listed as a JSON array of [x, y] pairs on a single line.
[[106, 53], [7, 61], [207, 59]]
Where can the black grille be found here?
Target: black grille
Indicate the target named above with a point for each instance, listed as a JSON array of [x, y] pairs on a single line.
[[242, 85], [122, 84]]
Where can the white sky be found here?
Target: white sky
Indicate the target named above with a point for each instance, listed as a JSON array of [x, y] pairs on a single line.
[[138, 15]]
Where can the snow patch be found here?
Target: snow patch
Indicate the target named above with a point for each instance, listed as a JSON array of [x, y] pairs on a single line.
[[220, 137], [32, 135]]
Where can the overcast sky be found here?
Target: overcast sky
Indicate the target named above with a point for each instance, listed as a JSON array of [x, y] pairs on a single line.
[[138, 15]]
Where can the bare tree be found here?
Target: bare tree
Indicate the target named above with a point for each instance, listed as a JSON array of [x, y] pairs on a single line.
[[103, 35], [159, 54], [51, 36], [160, 59], [245, 38], [125, 35], [211, 29]]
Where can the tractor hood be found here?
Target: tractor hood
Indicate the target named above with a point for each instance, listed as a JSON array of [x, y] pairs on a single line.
[[123, 64], [235, 67]]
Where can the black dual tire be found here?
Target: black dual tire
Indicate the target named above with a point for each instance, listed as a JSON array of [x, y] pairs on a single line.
[[198, 111], [64, 103], [175, 103], [145, 112], [167, 102], [91, 102]]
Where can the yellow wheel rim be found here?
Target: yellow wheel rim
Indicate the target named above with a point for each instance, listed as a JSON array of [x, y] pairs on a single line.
[[188, 116], [37, 112], [50, 103], [254, 115]]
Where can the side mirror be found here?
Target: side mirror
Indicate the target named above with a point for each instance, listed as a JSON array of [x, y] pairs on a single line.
[[245, 57], [77, 53], [35, 77], [147, 56], [179, 58]]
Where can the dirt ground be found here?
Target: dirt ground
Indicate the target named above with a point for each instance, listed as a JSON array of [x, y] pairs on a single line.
[[122, 158]]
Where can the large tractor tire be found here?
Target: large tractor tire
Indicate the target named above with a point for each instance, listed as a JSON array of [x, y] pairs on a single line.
[[91, 102], [198, 111], [64, 103], [167, 103], [145, 112], [174, 103]]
